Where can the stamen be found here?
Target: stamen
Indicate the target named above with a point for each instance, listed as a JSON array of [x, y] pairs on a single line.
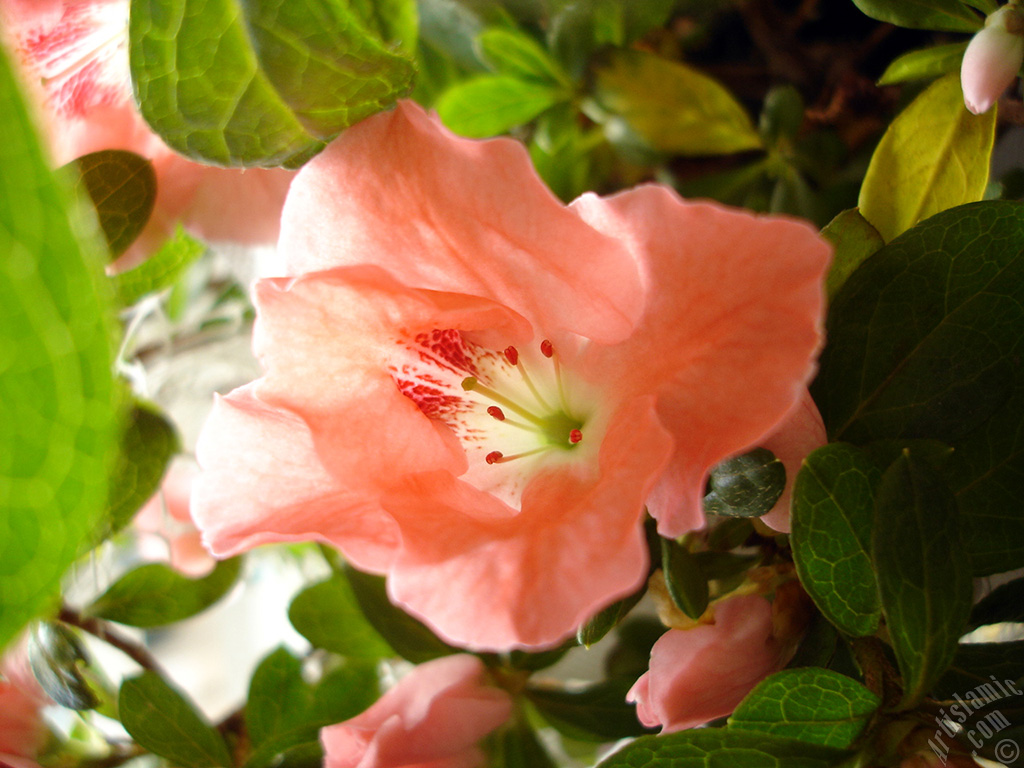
[[496, 412], [575, 436], [497, 457], [512, 355], [494, 457], [546, 348], [471, 384]]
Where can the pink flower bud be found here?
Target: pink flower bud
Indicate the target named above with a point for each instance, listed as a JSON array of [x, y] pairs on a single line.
[[993, 58]]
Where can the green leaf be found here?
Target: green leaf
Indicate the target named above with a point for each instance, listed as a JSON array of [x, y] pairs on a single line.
[[978, 668], [517, 746], [328, 615], [782, 114], [924, 64], [745, 486], [707, 747], [277, 696], [923, 575], [934, 155], [925, 341], [58, 405], [812, 705], [598, 712], [164, 722], [155, 595], [122, 187], [159, 271], [516, 54], [259, 83], [609, 617], [854, 239], [55, 654], [1004, 603], [947, 15], [670, 107], [394, 21], [833, 507], [410, 639], [148, 443], [488, 105], [631, 655], [684, 578]]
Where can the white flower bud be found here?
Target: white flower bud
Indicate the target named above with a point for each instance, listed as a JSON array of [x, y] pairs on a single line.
[[993, 58]]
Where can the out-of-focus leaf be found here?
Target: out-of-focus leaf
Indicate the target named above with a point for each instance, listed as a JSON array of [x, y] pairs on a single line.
[[670, 107], [154, 595], [812, 705], [488, 105], [854, 239], [394, 21], [745, 486], [833, 508], [924, 64], [328, 615], [55, 654], [598, 712], [260, 83], [517, 746], [164, 722], [782, 114], [159, 271], [630, 656], [59, 408], [974, 667], [122, 187], [277, 696], [924, 577], [935, 155], [1004, 603], [948, 15], [684, 578], [518, 55]]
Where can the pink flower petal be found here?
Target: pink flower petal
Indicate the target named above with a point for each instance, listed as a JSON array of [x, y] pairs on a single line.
[[992, 59], [22, 732], [164, 521]]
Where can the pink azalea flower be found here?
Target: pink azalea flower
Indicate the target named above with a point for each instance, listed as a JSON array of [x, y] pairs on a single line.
[[21, 730], [993, 58], [74, 56], [433, 718], [699, 674], [475, 389], [801, 432], [167, 528]]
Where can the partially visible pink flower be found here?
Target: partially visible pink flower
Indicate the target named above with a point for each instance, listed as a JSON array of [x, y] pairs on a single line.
[[164, 521], [475, 389], [434, 718], [74, 57], [22, 732], [993, 58], [801, 432], [699, 674]]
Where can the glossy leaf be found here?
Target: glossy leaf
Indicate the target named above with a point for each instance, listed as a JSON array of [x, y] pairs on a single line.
[[488, 105], [934, 155], [812, 705], [165, 722], [1004, 603], [609, 617], [833, 508], [122, 187], [924, 64], [258, 83], [745, 486], [155, 595], [853, 240], [56, 656], [704, 747], [598, 712], [670, 107], [159, 271], [59, 409], [684, 579], [925, 341], [328, 615], [516, 54], [924, 578], [948, 15]]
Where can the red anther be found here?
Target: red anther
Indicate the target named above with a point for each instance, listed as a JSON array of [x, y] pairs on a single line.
[[512, 355], [496, 412], [575, 436], [546, 349], [494, 457]]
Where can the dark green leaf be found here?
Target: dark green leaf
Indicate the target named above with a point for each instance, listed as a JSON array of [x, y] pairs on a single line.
[[631, 655], [812, 705], [949, 15], [410, 638], [598, 712], [277, 696], [782, 115], [122, 187], [164, 722], [1004, 603], [58, 405], [729, 534], [605, 620], [924, 64], [982, 672], [540, 659], [328, 615], [154, 595], [491, 104], [723, 565], [746, 485], [56, 655], [923, 575], [159, 271], [926, 341], [267, 82], [684, 578], [344, 692], [707, 747], [516, 54], [148, 443], [853, 239], [517, 746], [833, 506]]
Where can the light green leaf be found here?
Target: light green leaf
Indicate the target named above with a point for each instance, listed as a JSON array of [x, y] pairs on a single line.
[[853, 239], [394, 21], [935, 155], [328, 615], [924, 578], [58, 406], [159, 271], [155, 595], [948, 15], [924, 64], [488, 105], [833, 506], [812, 705], [259, 83], [670, 107], [516, 54], [164, 722]]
